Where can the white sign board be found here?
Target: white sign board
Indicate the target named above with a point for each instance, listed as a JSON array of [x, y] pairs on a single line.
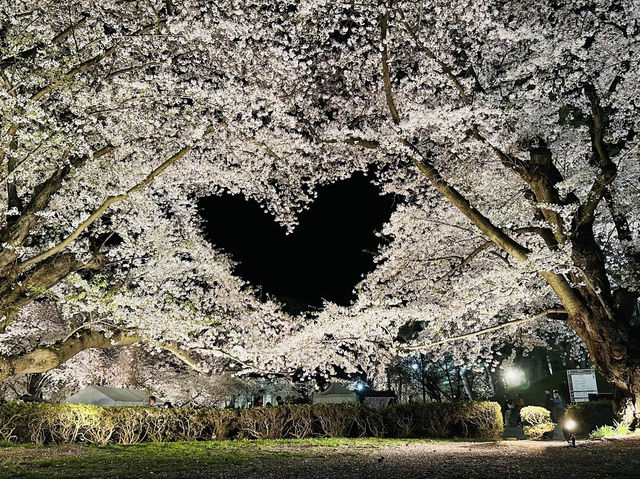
[[582, 382]]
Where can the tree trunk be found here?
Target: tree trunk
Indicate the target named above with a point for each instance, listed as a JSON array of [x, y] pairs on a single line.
[[465, 383], [615, 351], [544, 364], [491, 381]]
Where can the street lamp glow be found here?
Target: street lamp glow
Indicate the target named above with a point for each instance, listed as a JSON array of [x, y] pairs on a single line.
[[514, 376], [570, 425]]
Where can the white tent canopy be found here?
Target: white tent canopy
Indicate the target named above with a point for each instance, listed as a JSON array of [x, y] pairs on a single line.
[[106, 396], [335, 393]]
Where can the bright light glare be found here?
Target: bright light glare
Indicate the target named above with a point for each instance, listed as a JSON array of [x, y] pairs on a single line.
[[514, 376], [511, 375], [570, 424], [414, 366], [360, 387]]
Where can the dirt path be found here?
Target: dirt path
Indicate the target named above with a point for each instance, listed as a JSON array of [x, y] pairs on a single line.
[[361, 460], [505, 459]]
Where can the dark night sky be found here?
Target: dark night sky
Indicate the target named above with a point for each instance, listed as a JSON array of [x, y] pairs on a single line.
[[326, 255]]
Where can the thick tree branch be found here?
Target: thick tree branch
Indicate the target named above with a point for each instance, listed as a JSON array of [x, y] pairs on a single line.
[[104, 206], [608, 169], [31, 52], [15, 295], [568, 296], [541, 176], [384, 19], [495, 234], [445, 68], [46, 358], [184, 355], [551, 313], [16, 233]]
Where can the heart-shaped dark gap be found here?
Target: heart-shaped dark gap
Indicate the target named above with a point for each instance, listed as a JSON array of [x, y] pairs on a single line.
[[325, 257]]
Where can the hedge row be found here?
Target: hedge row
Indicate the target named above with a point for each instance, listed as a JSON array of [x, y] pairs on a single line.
[[591, 415], [68, 423]]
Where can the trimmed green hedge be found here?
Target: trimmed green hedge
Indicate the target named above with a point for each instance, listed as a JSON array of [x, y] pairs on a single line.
[[67, 423], [590, 415]]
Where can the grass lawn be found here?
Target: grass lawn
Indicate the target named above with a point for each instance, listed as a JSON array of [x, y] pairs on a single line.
[[327, 458], [145, 460]]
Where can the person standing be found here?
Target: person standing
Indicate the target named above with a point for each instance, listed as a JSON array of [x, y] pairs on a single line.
[[519, 405], [548, 403], [558, 406], [507, 409]]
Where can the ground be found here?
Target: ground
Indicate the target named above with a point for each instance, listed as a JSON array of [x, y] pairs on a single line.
[[328, 458]]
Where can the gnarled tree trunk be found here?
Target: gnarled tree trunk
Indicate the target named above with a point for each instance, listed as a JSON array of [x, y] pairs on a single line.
[[615, 350]]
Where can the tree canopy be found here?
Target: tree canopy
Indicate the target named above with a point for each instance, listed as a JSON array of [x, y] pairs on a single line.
[[507, 129]]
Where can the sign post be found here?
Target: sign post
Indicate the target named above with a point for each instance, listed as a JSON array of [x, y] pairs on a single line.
[[582, 382]]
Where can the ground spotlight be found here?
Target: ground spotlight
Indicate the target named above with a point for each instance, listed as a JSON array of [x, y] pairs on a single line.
[[569, 427]]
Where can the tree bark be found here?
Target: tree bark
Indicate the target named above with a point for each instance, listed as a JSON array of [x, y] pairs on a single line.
[[616, 353], [45, 358], [465, 383]]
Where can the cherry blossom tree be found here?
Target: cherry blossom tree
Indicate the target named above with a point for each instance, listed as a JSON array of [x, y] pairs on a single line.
[[508, 130], [524, 120]]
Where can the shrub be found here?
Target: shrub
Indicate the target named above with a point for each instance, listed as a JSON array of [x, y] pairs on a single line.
[[590, 415], [536, 422], [618, 429], [301, 424], [375, 423], [481, 420], [263, 423], [338, 420], [223, 424], [69, 423]]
